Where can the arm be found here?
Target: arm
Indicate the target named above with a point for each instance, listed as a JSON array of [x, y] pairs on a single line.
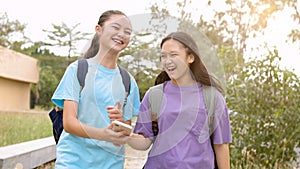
[[139, 142], [74, 126], [222, 156]]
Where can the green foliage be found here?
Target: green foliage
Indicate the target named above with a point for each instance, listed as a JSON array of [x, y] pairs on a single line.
[[52, 69], [145, 80], [141, 59], [64, 36], [20, 127], [264, 100], [36, 49], [9, 31], [263, 97]]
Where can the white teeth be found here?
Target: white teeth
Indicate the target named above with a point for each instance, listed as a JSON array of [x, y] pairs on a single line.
[[117, 41], [171, 68]]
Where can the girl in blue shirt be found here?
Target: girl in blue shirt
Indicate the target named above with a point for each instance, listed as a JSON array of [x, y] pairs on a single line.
[[88, 140]]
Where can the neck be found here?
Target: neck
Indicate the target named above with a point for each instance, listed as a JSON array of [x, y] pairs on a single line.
[[184, 81], [107, 59]]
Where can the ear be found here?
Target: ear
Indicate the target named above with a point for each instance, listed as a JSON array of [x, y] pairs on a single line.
[[191, 58], [98, 29]]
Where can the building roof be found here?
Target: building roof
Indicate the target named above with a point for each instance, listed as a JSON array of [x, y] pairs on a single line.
[[17, 66]]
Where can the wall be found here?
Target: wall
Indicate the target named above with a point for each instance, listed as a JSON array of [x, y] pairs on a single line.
[[14, 95]]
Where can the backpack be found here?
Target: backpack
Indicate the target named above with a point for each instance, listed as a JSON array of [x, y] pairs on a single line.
[[155, 100], [56, 114]]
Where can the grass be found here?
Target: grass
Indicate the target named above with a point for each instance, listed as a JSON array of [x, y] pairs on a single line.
[[20, 127]]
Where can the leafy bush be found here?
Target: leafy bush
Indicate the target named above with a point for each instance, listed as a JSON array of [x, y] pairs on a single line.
[[265, 118], [52, 69]]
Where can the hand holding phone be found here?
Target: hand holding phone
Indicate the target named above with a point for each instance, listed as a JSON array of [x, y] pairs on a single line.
[[115, 112], [120, 126]]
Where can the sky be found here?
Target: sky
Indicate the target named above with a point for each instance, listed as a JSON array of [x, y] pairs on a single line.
[[39, 15]]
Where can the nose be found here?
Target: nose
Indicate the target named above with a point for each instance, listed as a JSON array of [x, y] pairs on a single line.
[[166, 57], [167, 60], [121, 34]]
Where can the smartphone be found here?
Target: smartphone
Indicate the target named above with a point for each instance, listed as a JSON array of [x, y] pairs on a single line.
[[120, 126]]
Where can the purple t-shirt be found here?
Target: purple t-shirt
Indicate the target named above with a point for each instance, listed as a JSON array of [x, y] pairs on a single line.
[[183, 140]]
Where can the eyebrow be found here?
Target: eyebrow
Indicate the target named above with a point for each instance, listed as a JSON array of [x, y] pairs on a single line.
[[163, 51]]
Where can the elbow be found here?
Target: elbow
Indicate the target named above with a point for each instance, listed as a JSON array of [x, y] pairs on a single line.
[[143, 147], [140, 144], [147, 146], [139, 147], [67, 126]]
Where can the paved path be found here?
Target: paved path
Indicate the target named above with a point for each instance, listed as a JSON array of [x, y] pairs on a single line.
[[135, 159]]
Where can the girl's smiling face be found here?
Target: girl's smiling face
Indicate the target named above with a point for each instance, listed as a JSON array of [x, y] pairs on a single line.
[[176, 61], [115, 33]]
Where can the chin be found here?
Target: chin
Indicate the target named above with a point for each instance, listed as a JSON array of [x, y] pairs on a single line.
[[171, 74], [117, 48]]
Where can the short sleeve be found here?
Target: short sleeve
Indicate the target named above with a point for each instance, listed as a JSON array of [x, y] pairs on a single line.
[[144, 124], [222, 132], [68, 88], [133, 101]]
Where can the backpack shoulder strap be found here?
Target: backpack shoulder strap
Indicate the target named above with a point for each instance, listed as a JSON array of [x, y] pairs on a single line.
[[209, 94], [82, 70], [210, 98], [126, 82], [155, 100]]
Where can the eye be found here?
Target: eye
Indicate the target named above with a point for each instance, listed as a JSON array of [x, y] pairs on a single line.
[[128, 33], [163, 55], [115, 27], [173, 55]]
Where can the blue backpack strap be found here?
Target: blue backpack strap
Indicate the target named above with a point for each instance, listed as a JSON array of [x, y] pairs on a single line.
[[126, 82], [82, 70]]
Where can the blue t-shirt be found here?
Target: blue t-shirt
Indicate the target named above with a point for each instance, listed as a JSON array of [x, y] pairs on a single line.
[[183, 139], [103, 87]]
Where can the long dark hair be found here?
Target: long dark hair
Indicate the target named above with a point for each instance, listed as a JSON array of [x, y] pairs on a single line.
[[198, 68], [95, 44]]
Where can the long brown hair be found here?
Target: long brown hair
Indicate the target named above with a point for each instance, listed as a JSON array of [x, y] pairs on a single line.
[[95, 45], [198, 68]]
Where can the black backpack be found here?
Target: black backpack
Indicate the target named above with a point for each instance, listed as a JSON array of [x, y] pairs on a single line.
[[56, 114]]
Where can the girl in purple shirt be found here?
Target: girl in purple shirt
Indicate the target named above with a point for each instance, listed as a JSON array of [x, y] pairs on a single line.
[[184, 139]]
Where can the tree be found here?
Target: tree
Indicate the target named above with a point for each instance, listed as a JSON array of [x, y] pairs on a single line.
[[236, 22], [141, 60], [65, 36], [50, 74], [12, 33], [264, 100], [36, 49]]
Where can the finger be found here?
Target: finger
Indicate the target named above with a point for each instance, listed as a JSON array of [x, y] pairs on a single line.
[[118, 105], [115, 119], [110, 126], [110, 110], [120, 134], [110, 107], [114, 116]]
